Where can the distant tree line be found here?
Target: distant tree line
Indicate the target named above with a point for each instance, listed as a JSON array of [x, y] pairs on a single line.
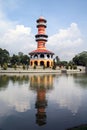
[[19, 59], [79, 59]]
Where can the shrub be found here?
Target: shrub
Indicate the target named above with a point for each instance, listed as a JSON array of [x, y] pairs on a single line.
[[54, 67], [5, 66], [34, 66], [43, 66], [23, 66], [71, 67], [15, 66], [74, 67], [67, 67]]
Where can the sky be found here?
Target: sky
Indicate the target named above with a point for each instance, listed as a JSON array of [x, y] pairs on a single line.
[[66, 26]]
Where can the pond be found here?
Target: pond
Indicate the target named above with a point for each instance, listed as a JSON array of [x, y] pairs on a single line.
[[43, 101]]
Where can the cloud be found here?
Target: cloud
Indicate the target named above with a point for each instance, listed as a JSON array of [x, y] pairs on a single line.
[[13, 36], [18, 39], [66, 42]]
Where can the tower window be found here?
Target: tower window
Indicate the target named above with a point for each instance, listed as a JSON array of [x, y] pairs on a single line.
[[42, 56], [31, 63], [48, 56], [35, 56], [41, 63], [36, 63]]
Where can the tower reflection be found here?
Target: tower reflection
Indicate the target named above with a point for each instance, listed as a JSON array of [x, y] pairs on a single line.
[[41, 84]]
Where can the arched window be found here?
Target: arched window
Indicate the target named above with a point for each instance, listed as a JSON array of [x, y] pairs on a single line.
[[48, 56], [35, 56], [35, 62], [41, 55], [31, 63], [48, 64], [41, 63]]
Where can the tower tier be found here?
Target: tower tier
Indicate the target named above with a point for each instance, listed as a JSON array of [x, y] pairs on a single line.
[[41, 24], [41, 37]]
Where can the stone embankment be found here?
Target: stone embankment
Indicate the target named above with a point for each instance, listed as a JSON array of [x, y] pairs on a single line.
[[79, 69], [12, 70]]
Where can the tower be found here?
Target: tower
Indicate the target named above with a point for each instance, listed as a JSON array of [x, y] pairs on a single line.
[[41, 56]]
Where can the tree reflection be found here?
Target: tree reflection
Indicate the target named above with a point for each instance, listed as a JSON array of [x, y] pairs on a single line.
[[20, 79], [41, 84], [81, 79], [4, 80]]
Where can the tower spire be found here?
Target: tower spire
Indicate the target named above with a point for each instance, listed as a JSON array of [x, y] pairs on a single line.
[[41, 37]]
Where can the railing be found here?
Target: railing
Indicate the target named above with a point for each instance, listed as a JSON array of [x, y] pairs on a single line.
[[41, 23], [41, 38]]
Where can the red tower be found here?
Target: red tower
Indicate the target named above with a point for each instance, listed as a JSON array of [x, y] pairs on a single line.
[[41, 56], [41, 37]]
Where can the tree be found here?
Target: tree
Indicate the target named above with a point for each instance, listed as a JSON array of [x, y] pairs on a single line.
[[57, 60], [81, 59], [25, 59], [63, 63], [14, 59], [4, 56]]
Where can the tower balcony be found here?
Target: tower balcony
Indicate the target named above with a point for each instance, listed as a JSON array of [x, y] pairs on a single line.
[[40, 37], [41, 19], [41, 24]]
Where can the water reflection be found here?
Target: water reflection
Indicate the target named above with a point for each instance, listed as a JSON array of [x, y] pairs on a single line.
[[4, 80], [16, 93], [41, 84], [67, 94], [51, 101], [81, 79]]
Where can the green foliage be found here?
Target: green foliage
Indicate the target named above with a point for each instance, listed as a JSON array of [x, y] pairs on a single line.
[[34, 66], [20, 59], [44, 67], [14, 59], [67, 67], [54, 65], [64, 63], [5, 66], [25, 59], [4, 56], [74, 67], [81, 59], [71, 67], [24, 67], [57, 60], [15, 66]]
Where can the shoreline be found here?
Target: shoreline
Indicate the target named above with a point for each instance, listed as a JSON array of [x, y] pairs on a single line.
[[47, 70]]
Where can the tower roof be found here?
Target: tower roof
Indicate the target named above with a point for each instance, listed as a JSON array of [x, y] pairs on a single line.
[[41, 18], [45, 51]]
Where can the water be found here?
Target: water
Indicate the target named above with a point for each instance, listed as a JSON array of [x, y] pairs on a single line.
[[42, 102]]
